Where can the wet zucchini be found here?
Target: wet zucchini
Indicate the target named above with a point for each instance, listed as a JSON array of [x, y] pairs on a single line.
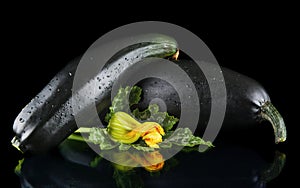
[[49, 118]]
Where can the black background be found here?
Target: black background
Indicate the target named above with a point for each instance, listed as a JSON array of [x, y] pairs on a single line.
[[37, 43]]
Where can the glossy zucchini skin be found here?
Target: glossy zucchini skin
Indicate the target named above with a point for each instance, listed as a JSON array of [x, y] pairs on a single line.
[[248, 103], [49, 118]]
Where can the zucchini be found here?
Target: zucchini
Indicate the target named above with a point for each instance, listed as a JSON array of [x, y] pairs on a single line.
[[248, 103], [49, 118]]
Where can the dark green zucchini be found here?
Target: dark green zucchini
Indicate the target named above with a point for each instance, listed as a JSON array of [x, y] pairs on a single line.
[[49, 118], [247, 101]]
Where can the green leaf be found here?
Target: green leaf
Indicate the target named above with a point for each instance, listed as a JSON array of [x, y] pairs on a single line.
[[124, 99], [135, 95], [100, 137], [152, 113], [165, 145], [195, 140], [142, 148], [169, 122], [124, 147], [185, 137]]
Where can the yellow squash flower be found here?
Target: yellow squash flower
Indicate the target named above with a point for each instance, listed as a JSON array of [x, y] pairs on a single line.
[[125, 129], [153, 135]]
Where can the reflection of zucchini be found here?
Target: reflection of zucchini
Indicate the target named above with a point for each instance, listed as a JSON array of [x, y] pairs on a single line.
[[229, 166], [48, 119], [247, 101]]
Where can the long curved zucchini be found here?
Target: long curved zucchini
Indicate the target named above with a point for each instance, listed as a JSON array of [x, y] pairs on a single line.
[[248, 103], [48, 119]]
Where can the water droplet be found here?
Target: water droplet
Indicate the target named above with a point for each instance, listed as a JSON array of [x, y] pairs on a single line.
[[52, 105], [214, 78], [187, 85], [21, 120], [189, 96], [58, 90], [70, 74]]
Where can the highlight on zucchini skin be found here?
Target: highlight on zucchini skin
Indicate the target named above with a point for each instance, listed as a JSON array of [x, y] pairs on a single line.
[[48, 119]]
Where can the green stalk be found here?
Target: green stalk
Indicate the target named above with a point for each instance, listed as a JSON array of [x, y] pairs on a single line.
[[78, 137], [83, 130], [270, 113]]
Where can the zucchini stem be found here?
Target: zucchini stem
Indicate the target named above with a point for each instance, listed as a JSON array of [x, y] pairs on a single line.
[[16, 143], [270, 113]]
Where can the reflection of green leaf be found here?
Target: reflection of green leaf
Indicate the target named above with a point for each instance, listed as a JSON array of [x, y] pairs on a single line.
[[100, 136], [19, 167], [125, 98], [96, 161], [125, 179], [152, 113]]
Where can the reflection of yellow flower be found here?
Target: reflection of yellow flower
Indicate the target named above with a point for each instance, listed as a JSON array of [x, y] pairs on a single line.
[[151, 161], [155, 168], [125, 129], [156, 160]]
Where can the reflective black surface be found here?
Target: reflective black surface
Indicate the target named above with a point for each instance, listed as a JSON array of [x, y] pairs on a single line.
[[257, 42], [76, 165]]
